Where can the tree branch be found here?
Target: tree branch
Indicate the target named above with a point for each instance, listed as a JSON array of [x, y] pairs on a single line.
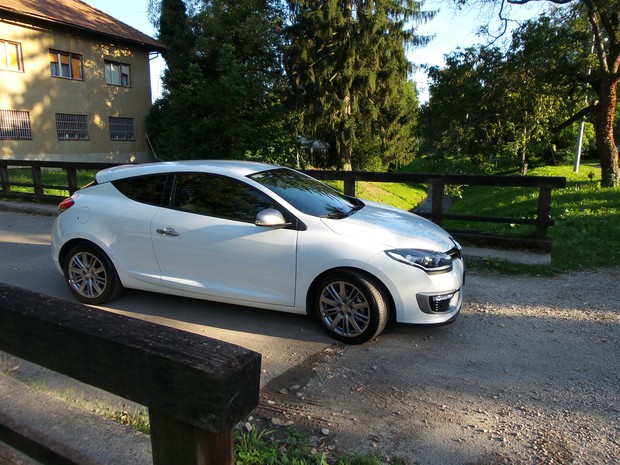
[[523, 2], [576, 117]]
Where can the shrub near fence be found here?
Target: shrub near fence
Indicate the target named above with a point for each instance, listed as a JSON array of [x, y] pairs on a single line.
[[539, 240]]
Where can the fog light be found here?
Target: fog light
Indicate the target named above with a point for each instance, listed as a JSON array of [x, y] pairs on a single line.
[[441, 303]]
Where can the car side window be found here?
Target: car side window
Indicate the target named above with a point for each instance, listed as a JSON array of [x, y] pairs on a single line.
[[145, 189], [219, 196]]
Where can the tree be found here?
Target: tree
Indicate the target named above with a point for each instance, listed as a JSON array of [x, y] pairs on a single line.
[[223, 99], [509, 108], [345, 60], [603, 17], [175, 31]]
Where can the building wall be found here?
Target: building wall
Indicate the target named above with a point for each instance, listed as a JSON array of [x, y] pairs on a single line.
[[37, 91]]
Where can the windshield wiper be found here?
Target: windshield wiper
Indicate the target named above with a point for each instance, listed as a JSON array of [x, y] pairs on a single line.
[[356, 208], [338, 215], [335, 215]]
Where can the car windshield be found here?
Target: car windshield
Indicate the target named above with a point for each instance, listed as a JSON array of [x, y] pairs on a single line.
[[307, 194]]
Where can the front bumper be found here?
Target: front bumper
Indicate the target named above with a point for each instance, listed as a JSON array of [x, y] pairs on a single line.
[[422, 298]]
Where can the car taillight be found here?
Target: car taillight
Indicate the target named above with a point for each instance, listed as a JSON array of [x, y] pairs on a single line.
[[65, 205]]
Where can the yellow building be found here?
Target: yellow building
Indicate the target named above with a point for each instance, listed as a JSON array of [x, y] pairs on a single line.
[[74, 84]]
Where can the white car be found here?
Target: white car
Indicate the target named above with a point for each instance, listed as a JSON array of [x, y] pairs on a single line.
[[257, 235]]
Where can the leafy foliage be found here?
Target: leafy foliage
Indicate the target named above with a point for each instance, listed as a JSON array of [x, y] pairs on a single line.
[[225, 99], [576, 27], [502, 108], [266, 447], [347, 73]]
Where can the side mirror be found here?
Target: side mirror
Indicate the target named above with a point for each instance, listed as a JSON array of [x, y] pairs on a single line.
[[271, 218]]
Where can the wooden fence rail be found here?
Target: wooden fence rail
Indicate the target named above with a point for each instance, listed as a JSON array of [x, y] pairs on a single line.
[[196, 388], [36, 168], [539, 240]]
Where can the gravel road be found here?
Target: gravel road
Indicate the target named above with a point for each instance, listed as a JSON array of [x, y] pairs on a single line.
[[529, 374]]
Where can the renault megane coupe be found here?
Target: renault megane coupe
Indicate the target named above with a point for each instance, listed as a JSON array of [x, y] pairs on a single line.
[[257, 235]]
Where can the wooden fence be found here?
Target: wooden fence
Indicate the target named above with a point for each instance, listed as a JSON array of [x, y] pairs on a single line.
[[37, 184], [539, 240], [196, 388]]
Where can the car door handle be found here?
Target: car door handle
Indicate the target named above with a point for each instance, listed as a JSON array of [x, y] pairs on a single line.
[[167, 232]]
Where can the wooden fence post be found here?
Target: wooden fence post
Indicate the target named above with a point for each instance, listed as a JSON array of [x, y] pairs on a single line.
[[437, 201], [544, 212], [37, 180], [178, 443], [72, 181], [349, 183], [4, 178]]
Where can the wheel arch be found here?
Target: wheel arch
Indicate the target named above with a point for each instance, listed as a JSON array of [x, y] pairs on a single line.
[[312, 289], [69, 245]]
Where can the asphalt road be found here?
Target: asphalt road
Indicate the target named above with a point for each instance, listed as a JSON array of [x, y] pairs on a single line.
[[284, 340]]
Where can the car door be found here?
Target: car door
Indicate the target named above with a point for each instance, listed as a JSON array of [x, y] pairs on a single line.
[[207, 242]]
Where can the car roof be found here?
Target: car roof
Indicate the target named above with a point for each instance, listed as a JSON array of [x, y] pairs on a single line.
[[233, 168]]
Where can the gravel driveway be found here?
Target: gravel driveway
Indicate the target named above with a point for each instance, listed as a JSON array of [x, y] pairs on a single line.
[[529, 374]]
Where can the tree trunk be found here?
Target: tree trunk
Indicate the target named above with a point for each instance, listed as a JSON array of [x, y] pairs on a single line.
[[604, 130], [345, 155], [347, 135], [524, 152]]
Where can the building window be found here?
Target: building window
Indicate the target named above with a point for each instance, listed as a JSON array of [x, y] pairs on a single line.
[[122, 129], [66, 65], [11, 56], [71, 127], [117, 74], [15, 125]]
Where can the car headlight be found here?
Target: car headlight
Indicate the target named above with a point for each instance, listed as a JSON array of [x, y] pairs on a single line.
[[428, 260]]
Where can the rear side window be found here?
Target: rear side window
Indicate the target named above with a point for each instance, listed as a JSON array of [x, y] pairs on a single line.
[[219, 196], [145, 189]]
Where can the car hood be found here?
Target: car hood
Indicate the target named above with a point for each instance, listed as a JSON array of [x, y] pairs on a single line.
[[392, 227]]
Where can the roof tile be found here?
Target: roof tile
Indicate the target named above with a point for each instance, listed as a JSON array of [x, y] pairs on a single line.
[[77, 14]]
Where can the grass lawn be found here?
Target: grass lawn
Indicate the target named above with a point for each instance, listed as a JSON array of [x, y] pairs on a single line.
[[586, 233]]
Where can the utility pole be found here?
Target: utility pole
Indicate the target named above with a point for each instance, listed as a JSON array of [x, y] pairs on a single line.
[[583, 122]]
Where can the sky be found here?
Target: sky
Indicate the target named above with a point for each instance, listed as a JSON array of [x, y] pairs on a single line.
[[451, 29]]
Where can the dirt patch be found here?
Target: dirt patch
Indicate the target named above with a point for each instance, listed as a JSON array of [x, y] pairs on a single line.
[[528, 374]]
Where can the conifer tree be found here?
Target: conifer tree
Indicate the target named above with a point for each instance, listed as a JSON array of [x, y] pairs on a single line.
[[175, 32], [347, 68]]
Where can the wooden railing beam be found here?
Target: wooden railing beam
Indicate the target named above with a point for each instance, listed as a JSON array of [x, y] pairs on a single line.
[[196, 388]]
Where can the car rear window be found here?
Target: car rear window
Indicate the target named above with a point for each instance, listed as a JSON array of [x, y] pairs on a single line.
[[145, 189]]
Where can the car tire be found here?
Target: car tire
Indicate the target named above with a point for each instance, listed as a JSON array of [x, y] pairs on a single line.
[[351, 307], [90, 275]]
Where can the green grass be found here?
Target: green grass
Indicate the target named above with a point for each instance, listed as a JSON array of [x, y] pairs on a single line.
[[51, 177], [291, 447], [404, 196], [586, 233]]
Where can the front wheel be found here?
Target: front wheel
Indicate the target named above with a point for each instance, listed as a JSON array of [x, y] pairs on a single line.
[[90, 275], [350, 307]]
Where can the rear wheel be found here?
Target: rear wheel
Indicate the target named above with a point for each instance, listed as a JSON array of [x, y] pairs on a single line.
[[90, 275], [350, 307]]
